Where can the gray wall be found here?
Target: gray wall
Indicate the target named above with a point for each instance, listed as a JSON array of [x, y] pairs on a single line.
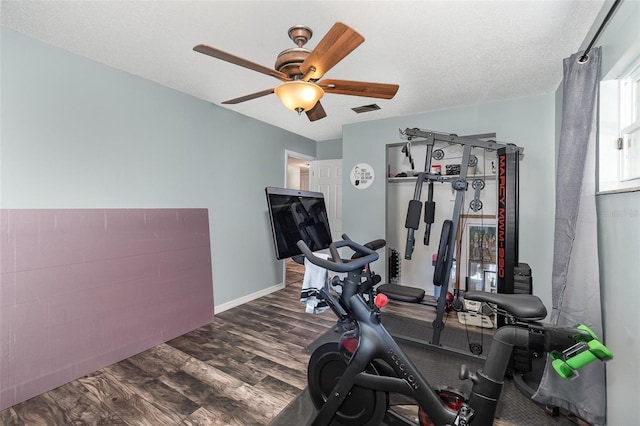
[[619, 242], [78, 134], [619, 247], [329, 149], [527, 122]]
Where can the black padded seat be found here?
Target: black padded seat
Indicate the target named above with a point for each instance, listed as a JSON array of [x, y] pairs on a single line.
[[525, 307], [401, 293]]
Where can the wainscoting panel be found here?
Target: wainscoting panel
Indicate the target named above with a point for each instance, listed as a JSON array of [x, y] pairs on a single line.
[[81, 289]]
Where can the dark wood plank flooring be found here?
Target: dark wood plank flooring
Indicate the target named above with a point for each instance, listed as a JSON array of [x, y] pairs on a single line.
[[241, 369]]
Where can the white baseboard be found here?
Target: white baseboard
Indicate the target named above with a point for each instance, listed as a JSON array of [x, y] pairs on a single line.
[[248, 298]]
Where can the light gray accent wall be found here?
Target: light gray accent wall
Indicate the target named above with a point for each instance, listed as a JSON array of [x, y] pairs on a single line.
[[527, 122], [78, 134], [329, 149], [619, 248]]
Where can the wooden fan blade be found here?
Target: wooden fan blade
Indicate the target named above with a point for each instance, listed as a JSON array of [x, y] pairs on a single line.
[[316, 113], [338, 43], [236, 60], [249, 97], [359, 88]]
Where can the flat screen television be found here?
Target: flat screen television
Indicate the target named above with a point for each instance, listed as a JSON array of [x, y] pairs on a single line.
[[297, 215]]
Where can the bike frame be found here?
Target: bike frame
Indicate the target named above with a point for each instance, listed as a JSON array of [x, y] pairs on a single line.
[[570, 347], [376, 343]]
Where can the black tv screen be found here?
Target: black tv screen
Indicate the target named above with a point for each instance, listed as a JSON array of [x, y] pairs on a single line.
[[297, 215]]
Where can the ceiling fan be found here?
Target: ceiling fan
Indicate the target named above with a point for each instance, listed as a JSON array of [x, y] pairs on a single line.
[[301, 70]]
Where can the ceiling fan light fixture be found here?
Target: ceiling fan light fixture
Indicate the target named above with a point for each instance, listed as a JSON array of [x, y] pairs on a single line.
[[299, 95]]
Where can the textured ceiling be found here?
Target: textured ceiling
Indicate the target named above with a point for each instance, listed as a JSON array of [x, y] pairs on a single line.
[[442, 53]]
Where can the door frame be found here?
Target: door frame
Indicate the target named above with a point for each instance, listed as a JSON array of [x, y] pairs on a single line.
[[289, 153]]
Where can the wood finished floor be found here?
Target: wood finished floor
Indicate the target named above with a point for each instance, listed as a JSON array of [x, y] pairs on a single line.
[[241, 369]]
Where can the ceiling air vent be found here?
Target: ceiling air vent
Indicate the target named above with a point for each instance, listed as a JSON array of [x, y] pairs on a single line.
[[365, 108]]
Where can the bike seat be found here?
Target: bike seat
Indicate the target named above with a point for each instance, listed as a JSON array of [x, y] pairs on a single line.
[[524, 307]]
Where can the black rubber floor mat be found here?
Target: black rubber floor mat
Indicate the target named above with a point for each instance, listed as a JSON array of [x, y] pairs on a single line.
[[455, 336]]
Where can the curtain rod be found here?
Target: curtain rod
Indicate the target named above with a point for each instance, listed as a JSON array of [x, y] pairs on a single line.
[[585, 55]]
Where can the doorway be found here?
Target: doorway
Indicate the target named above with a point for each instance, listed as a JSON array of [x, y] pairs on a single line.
[[297, 174], [305, 173], [296, 177]]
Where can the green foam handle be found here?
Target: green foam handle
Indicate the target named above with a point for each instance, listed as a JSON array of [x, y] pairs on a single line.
[[595, 350], [563, 369]]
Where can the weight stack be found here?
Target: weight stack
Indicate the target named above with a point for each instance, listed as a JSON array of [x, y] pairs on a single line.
[[522, 284], [394, 266]]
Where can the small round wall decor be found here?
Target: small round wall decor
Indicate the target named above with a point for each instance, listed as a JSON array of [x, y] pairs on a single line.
[[362, 175]]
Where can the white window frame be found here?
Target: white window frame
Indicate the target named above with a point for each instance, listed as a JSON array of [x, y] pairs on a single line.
[[629, 142], [619, 132]]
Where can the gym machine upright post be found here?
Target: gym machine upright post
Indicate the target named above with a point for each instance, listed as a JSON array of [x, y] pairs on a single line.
[[460, 185]]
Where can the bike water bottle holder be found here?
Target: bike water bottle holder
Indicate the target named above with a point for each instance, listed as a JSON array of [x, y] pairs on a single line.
[[587, 349]]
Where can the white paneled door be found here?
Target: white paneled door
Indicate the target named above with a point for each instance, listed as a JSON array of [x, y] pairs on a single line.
[[326, 176]]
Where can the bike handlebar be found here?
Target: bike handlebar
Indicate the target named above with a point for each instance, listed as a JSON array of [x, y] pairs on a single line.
[[374, 245], [339, 265]]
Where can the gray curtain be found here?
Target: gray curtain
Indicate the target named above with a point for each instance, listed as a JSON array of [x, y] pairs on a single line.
[[575, 280]]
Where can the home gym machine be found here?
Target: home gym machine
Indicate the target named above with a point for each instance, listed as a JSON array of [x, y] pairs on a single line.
[[508, 157]]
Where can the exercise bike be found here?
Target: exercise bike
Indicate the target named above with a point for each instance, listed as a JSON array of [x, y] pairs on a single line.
[[350, 380]]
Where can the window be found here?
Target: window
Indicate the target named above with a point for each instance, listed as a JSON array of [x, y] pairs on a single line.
[[629, 142], [619, 132]]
